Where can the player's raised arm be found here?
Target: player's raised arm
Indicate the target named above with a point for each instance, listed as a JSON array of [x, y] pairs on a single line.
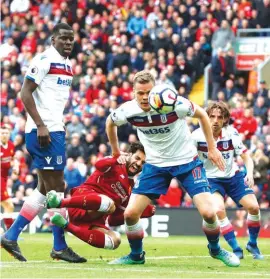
[[28, 88], [116, 118], [214, 154], [105, 164], [111, 130]]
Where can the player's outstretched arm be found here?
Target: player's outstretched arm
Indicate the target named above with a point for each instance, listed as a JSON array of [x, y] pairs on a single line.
[[27, 98], [214, 154], [250, 167], [111, 130], [106, 163]]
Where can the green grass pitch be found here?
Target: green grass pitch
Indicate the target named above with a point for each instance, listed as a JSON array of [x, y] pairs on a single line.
[[173, 257]]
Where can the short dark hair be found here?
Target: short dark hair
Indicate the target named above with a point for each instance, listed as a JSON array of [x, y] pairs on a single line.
[[59, 26], [224, 111], [135, 146]]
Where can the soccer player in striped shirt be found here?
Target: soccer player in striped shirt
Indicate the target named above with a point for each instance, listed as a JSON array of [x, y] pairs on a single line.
[[169, 153], [232, 182], [44, 93]]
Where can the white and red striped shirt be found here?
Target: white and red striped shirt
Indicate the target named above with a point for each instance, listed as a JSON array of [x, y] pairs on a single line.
[[53, 75], [229, 144], [165, 137]]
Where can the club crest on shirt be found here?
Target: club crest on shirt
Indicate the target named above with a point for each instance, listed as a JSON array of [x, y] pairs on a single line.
[[163, 118], [34, 70], [59, 160], [225, 145]]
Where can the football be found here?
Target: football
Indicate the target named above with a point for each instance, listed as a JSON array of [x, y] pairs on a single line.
[[162, 98]]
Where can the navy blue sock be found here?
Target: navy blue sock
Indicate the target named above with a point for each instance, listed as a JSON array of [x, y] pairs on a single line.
[[231, 239], [59, 242], [253, 234], [212, 232], [136, 246], [16, 228]]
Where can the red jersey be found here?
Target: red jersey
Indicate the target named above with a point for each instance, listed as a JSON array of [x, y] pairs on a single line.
[[111, 179], [6, 156]]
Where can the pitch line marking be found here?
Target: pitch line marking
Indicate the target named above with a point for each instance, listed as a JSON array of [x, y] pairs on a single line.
[[150, 270]]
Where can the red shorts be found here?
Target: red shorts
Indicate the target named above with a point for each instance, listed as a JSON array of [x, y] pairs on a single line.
[[86, 218], [4, 192]]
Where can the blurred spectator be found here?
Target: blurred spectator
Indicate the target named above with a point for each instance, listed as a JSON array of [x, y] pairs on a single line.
[[30, 183], [19, 198], [7, 49], [218, 72], [72, 175], [263, 8], [15, 183], [173, 197], [261, 162], [246, 125], [75, 126], [46, 225], [260, 108], [45, 9], [136, 62], [74, 148], [230, 68], [229, 89], [19, 6], [187, 201], [136, 24], [263, 92], [223, 37]]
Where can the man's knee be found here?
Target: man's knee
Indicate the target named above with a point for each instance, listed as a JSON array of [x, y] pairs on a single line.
[[112, 240], [107, 204], [116, 237], [131, 214], [208, 214], [221, 212], [253, 208]]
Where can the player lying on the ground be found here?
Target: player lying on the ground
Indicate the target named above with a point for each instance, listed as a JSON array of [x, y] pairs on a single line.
[[230, 183], [106, 192]]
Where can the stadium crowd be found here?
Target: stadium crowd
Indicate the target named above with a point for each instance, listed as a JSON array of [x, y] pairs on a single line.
[[114, 39]]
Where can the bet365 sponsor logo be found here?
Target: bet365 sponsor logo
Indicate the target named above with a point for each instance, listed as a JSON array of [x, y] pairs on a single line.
[[66, 82], [155, 131]]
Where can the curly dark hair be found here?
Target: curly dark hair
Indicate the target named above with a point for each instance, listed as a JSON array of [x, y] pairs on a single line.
[[224, 111], [136, 146]]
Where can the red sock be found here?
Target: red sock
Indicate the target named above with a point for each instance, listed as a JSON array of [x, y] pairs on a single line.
[[8, 222], [92, 237], [87, 202]]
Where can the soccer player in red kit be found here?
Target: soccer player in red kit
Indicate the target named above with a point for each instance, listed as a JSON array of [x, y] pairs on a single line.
[[104, 195], [6, 155]]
